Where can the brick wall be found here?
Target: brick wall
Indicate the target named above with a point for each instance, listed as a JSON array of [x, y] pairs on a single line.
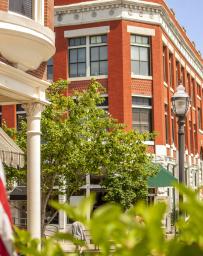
[[3, 5]]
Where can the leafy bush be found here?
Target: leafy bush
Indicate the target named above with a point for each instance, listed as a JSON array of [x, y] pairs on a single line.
[[137, 231]]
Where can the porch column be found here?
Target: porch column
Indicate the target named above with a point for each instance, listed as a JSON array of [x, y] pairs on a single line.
[[33, 111]]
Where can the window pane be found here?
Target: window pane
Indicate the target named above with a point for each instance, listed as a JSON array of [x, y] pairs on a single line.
[[73, 56], [103, 68], [81, 69], [132, 39], [134, 53], [144, 68], [77, 41], [145, 40], [104, 39], [143, 54], [23, 7], [103, 53], [81, 55], [73, 70], [135, 67], [138, 39], [94, 54], [94, 68]]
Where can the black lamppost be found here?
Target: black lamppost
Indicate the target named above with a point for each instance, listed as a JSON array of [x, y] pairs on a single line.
[[180, 103]]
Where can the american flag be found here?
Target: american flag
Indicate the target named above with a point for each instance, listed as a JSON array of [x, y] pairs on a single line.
[[6, 232]]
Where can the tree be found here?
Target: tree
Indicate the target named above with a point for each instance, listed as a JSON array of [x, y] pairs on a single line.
[[78, 138]]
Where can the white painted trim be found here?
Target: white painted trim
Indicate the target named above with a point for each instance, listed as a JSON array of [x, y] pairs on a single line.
[[165, 84], [149, 142], [199, 98], [177, 56], [20, 86], [141, 77], [87, 31], [200, 131], [171, 89], [84, 78], [198, 81], [182, 62], [141, 95], [140, 30]]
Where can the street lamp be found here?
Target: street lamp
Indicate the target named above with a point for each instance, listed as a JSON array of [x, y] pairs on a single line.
[[180, 103]]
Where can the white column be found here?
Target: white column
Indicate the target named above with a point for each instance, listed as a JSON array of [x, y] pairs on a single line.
[[62, 215], [33, 111]]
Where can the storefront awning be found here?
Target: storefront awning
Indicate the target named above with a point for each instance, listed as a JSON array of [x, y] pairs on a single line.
[[10, 153], [162, 179]]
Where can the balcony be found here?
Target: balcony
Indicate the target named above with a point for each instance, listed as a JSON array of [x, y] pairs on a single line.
[[24, 42]]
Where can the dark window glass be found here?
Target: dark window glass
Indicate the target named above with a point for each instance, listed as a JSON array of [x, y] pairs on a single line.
[[77, 62], [171, 70], [141, 101], [77, 41], [23, 7], [199, 118], [98, 60], [50, 69], [164, 64], [20, 115], [166, 124], [105, 103], [177, 73], [142, 120]]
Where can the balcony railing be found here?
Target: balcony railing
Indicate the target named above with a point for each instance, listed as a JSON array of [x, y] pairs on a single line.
[[23, 7]]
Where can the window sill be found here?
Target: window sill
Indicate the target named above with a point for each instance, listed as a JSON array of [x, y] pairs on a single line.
[[141, 77], [149, 142], [84, 78], [200, 131]]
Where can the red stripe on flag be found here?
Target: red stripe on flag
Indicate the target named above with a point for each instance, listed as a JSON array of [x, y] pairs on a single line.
[[4, 200], [3, 251]]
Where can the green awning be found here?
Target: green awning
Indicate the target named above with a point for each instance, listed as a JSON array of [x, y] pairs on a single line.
[[162, 179]]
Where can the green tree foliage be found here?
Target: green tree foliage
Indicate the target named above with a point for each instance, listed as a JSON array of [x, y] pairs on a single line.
[[78, 138], [136, 232]]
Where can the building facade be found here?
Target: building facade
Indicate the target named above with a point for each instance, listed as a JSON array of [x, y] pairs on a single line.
[[27, 42], [139, 52]]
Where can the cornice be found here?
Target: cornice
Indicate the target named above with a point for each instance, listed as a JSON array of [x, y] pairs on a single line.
[[134, 10]]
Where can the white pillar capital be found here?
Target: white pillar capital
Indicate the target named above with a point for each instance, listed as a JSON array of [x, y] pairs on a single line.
[[34, 109]]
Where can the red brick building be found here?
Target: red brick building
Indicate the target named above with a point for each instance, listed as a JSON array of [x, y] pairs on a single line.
[[139, 52]]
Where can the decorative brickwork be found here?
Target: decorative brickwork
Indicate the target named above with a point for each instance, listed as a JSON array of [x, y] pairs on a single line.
[[142, 87], [83, 85]]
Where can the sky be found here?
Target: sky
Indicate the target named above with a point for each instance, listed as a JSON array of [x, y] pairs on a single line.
[[189, 13]]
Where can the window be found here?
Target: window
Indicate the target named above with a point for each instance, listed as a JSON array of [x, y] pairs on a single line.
[[20, 115], [98, 55], [88, 56], [105, 104], [23, 7], [140, 55], [50, 70], [199, 90], [171, 70], [173, 126], [164, 64], [191, 136], [192, 92], [199, 118], [182, 78], [166, 124], [142, 114], [177, 73]]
